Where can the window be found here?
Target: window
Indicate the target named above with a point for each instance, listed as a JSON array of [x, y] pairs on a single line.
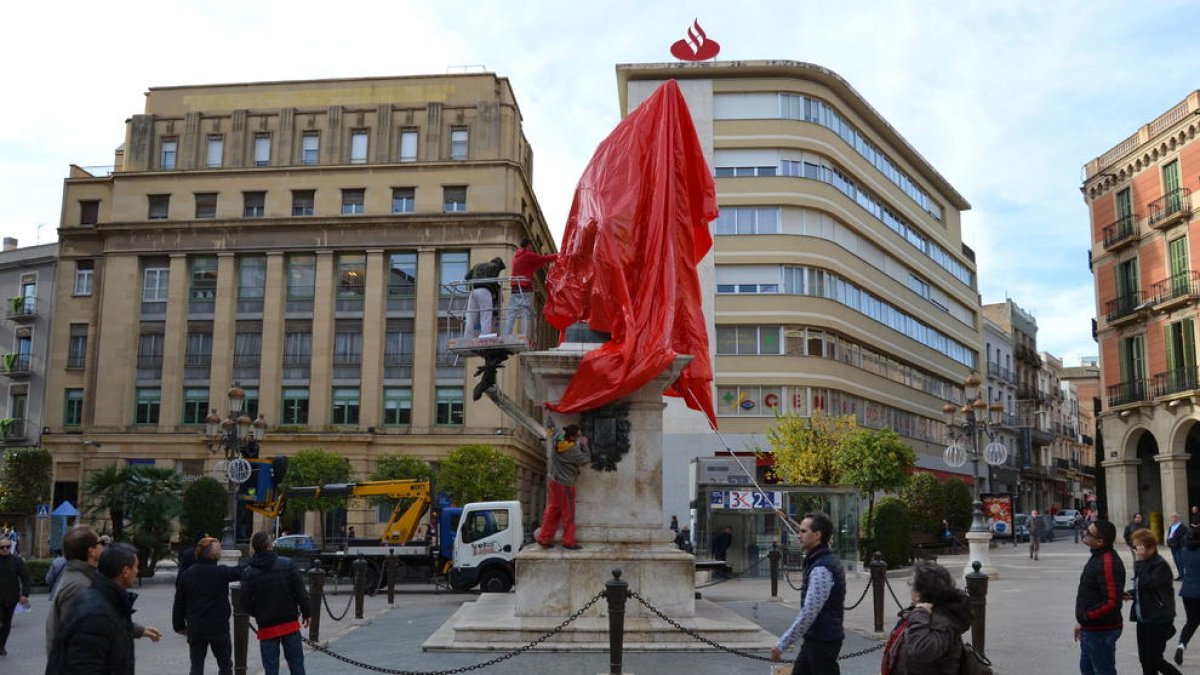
[[397, 406], [159, 206], [250, 404], [402, 275], [345, 405], [454, 198], [204, 278], [481, 524], [247, 350], [206, 205], [358, 146], [352, 275], [449, 405], [398, 350], [302, 276], [452, 266], [252, 277], [352, 201], [73, 408], [347, 349], [747, 220], [216, 148], [295, 405], [741, 340], [166, 155], [310, 144], [302, 202], [149, 400], [749, 401], [195, 405], [458, 143], [918, 285], [262, 149], [77, 347], [83, 277], [403, 200], [154, 284], [150, 351], [89, 211], [197, 358], [297, 350], [254, 204], [408, 145]]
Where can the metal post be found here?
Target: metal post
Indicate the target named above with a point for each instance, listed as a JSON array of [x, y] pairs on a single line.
[[977, 586], [316, 591], [391, 576], [878, 581], [616, 591], [241, 629], [774, 555], [360, 584]]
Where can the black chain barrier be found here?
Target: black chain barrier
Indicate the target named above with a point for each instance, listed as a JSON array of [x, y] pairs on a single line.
[[899, 605], [735, 575], [325, 599], [465, 669], [854, 606], [736, 652]]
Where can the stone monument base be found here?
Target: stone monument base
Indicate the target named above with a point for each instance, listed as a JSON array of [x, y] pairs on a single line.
[[553, 582]]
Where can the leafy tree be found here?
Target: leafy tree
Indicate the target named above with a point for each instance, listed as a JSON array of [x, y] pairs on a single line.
[[106, 494], [205, 505], [958, 504], [476, 473], [315, 466], [893, 528], [872, 461], [398, 466], [806, 448], [926, 502], [25, 481], [154, 501]]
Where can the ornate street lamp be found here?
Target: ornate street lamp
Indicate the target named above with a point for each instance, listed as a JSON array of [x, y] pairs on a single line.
[[237, 437], [978, 419]]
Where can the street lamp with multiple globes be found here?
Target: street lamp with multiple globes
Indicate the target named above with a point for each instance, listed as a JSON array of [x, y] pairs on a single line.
[[978, 418], [238, 437]]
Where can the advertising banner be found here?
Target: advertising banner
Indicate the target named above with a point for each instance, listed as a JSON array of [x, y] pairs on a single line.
[[998, 511]]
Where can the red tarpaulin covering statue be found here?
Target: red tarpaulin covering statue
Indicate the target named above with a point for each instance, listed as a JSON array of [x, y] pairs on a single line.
[[637, 229]]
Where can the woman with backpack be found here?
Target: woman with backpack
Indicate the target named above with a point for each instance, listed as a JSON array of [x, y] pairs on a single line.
[[927, 640]]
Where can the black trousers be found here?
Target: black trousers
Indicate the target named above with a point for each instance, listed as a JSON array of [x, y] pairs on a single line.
[[6, 616], [818, 657], [222, 651], [1192, 607], [1151, 642]]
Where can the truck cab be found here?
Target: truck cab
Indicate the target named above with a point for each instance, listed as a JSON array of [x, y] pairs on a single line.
[[486, 541]]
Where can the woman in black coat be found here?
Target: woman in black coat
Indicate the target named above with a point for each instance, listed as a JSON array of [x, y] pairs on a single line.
[[1153, 609], [928, 637]]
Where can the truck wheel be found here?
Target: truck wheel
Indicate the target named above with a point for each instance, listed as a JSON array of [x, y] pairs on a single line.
[[373, 579], [494, 581]]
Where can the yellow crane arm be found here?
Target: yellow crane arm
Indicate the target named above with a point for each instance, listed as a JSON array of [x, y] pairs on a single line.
[[414, 496]]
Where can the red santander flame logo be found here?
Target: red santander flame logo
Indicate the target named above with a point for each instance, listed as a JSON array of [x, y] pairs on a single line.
[[697, 46]]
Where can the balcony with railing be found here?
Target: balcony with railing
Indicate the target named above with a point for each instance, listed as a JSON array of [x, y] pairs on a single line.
[[1176, 289], [995, 370], [1120, 233], [22, 309], [346, 366], [1175, 381], [397, 365], [1133, 391], [17, 365], [13, 429], [1124, 308], [1171, 208]]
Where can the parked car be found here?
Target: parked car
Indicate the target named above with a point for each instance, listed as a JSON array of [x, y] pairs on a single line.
[[1021, 527], [297, 542], [1065, 519]]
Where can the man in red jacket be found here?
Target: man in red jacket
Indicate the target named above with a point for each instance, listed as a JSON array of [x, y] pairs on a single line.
[[526, 262], [1098, 621]]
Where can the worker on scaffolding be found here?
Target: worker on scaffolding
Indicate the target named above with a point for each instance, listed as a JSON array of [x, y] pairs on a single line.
[[484, 297], [526, 262]]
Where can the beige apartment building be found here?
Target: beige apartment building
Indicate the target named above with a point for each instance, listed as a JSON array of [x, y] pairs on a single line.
[[293, 238], [839, 280]]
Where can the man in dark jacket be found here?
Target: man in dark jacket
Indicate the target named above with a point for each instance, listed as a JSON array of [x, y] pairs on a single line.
[[484, 298], [1098, 621], [97, 636], [201, 610], [271, 593], [187, 557], [14, 588], [822, 597]]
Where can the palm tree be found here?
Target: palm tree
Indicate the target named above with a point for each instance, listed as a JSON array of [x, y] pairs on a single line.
[[154, 501], [107, 493]]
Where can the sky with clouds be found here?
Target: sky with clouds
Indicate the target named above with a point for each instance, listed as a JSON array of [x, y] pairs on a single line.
[[1007, 100]]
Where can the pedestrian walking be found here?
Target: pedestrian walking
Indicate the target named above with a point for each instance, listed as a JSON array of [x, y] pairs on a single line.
[[273, 594], [14, 589], [1189, 591], [674, 524], [1135, 524], [1194, 519], [1098, 622], [1176, 534], [568, 457], [97, 636], [927, 639], [722, 542], [201, 610], [1153, 596], [822, 598], [1037, 529]]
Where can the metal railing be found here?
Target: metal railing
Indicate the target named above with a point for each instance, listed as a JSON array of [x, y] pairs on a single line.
[[1175, 381], [1119, 232], [17, 364], [1123, 306], [1176, 286], [13, 430], [22, 308], [1132, 391], [1177, 202]]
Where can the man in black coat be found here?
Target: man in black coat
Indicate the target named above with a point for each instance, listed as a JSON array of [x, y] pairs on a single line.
[[14, 588], [97, 636], [201, 611], [272, 592]]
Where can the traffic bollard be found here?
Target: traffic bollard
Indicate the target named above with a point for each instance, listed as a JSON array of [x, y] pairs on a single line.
[[241, 629], [878, 581], [360, 585], [316, 591], [391, 576], [774, 555], [616, 592], [977, 586]]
